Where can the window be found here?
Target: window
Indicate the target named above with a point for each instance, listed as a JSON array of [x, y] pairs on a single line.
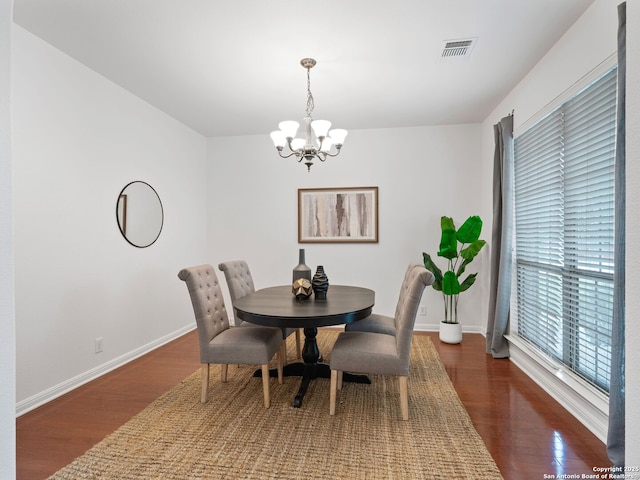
[[564, 209]]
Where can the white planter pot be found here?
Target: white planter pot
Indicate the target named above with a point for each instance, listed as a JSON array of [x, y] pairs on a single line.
[[450, 332]]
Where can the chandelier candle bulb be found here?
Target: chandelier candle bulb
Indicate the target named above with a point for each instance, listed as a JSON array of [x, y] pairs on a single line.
[[318, 141], [326, 144], [279, 140], [321, 127], [289, 128], [297, 144], [338, 135]]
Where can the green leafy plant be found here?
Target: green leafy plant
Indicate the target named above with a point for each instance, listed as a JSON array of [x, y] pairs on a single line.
[[459, 247]]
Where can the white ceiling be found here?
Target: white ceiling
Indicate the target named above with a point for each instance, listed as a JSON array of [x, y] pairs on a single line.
[[232, 67]]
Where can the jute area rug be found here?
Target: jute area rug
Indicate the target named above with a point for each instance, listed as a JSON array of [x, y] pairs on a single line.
[[233, 436]]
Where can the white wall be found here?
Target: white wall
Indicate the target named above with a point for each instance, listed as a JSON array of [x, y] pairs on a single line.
[[7, 310], [422, 173], [633, 237], [589, 44], [78, 139]]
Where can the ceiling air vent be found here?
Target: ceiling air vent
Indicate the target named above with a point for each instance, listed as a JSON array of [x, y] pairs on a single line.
[[458, 49]]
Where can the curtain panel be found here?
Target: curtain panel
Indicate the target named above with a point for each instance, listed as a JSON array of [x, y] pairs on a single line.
[[616, 432], [501, 240]]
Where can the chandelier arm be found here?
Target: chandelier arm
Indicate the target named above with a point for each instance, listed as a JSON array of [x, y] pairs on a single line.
[[332, 155], [286, 156]]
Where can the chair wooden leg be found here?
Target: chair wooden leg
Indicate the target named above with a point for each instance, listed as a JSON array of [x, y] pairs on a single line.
[[281, 359], [223, 372], [340, 380], [265, 385], [333, 392], [404, 397], [298, 343], [283, 348], [204, 374]]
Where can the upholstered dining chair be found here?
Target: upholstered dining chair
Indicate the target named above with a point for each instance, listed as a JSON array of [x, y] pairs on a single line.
[[240, 283], [379, 353], [377, 323], [220, 344]]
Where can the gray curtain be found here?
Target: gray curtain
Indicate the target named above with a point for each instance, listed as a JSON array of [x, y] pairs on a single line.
[[501, 239], [616, 432]]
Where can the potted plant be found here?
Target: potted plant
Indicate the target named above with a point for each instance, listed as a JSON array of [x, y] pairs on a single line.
[[459, 247]]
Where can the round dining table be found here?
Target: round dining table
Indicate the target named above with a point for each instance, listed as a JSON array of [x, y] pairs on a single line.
[[279, 307]]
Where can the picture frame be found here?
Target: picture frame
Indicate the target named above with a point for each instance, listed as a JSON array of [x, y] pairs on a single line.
[[338, 215]]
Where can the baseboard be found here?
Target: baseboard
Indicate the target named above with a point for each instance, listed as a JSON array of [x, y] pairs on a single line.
[[584, 402], [56, 391]]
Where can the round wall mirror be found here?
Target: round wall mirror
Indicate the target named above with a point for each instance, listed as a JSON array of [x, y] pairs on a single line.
[[140, 215]]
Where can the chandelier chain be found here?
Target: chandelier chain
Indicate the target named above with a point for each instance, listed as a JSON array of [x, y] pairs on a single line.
[[310, 103]]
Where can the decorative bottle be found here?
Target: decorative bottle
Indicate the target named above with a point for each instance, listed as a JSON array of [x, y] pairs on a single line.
[[320, 284], [301, 270]]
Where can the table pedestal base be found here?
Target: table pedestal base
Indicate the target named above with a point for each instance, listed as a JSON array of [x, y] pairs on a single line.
[[310, 369]]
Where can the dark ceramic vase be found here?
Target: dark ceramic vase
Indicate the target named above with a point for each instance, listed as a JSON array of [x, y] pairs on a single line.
[[320, 284], [301, 270]]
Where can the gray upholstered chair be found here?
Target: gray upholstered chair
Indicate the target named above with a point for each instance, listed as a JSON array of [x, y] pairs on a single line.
[[377, 323], [378, 353], [220, 344], [240, 283]]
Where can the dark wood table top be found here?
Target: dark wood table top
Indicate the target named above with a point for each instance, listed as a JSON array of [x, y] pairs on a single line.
[[278, 307]]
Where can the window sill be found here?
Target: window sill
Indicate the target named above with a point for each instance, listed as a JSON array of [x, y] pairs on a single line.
[[589, 405]]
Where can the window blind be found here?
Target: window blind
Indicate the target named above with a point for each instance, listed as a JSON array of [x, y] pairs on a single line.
[[564, 217]]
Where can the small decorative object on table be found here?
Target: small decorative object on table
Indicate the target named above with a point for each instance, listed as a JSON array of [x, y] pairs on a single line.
[[320, 284], [301, 288], [301, 270]]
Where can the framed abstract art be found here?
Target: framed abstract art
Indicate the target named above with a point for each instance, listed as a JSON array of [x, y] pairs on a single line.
[[338, 215]]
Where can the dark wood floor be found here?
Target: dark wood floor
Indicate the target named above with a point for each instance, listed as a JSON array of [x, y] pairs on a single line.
[[527, 432]]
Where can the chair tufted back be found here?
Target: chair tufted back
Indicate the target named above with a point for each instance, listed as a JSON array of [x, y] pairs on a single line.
[[413, 285], [406, 284], [208, 304], [239, 280]]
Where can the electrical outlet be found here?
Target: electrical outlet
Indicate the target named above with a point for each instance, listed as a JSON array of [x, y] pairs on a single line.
[[98, 344], [423, 310]]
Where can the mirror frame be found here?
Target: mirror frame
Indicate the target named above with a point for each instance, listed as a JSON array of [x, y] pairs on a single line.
[[122, 197]]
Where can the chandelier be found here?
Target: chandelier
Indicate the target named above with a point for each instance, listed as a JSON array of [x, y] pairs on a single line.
[[318, 140]]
